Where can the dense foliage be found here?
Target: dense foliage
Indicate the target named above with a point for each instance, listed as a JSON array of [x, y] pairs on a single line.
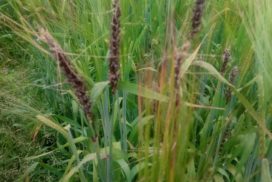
[[150, 90]]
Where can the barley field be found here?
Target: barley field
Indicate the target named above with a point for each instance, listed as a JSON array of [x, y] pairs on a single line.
[[136, 90]]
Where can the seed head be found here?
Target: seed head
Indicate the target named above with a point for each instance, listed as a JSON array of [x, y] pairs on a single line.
[[225, 59], [70, 73], [179, 58], [232, 77], [114, 46], [197, 15], [233, 74]]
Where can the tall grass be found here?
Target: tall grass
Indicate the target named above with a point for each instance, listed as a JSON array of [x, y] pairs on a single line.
[[174, 90]]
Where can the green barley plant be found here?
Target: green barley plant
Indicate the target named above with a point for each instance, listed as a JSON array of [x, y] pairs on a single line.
[[149, 90]]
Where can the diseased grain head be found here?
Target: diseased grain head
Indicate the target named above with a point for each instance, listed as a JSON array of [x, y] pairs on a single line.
[[232, 77], [114, 46], [233, 74], [196, 19], [225, 59], [70, 73], [180, 56]]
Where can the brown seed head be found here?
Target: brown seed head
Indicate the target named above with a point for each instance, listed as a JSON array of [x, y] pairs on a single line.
[[197, 15], [225, 59], [70, 73], [233, 75], [179, 58], [114, 46]]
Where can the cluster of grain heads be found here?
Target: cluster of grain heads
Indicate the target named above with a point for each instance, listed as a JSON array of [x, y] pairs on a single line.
[[197, 15], [232, 77], [114, 46], [225, 60], [72, 76]]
